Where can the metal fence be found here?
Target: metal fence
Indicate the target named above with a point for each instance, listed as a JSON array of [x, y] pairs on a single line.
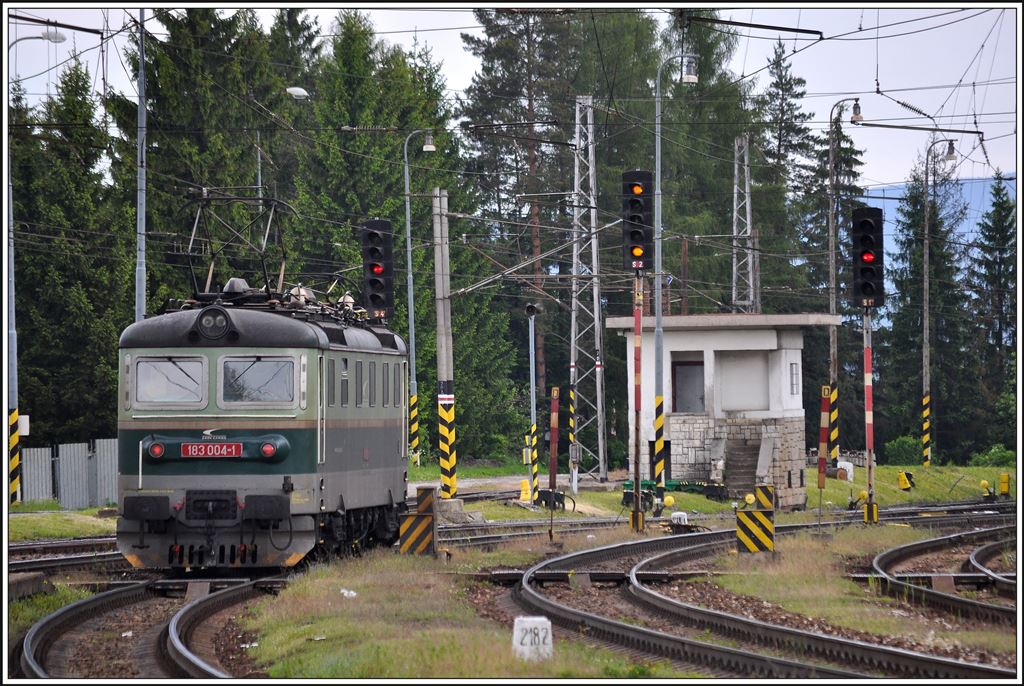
[[77, 475]]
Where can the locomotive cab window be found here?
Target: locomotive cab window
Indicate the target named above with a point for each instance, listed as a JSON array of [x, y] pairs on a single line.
[[257, 382], [178, 382]]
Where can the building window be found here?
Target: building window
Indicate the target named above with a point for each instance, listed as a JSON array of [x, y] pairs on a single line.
[[794, 378]]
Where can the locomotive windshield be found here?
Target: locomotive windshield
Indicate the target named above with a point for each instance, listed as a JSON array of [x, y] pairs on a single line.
[[258, 380], [170, 380]]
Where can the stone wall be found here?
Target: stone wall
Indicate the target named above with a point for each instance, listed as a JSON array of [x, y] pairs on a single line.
[[691, 437]]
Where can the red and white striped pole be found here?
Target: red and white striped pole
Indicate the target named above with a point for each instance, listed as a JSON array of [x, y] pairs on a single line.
[[638, 303], [870, 508]]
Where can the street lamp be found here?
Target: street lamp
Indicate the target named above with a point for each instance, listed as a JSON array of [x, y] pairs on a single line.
[[926, 447], [54, 36], [297, 93], [414, 442], [833, 343], [689, 68]]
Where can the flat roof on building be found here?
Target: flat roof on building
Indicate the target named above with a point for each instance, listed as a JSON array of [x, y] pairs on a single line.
[[680, 322]]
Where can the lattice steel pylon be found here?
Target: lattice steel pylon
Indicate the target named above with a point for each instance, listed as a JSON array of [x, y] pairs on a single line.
[[746, 266], [586, 354]]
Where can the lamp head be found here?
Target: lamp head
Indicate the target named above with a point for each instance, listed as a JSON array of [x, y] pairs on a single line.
[[297, 92], [857, 116], [689, 68], [53, 35], [950, 153], [428, 143]]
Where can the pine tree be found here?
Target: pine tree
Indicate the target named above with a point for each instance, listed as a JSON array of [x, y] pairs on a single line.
[[74, 267], [788, 146], [899, 356], [993, 280]]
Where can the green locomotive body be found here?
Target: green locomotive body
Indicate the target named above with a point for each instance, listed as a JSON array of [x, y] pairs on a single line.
[[253, 432]]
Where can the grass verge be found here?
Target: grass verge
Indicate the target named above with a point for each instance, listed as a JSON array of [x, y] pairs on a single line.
[[388, 616], [59, 525], [23, 613], [807, 575]]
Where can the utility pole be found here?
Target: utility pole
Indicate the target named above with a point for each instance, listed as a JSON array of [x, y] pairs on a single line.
[[140, 211], [445, 377], [586, 353], [746, 289]]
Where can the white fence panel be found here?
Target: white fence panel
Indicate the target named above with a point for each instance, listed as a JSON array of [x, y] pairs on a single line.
[[106, 471], [36, 474], [73, 470]]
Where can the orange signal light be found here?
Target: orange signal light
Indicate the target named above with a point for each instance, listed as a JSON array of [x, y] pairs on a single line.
[[637, 251], [637, 188]]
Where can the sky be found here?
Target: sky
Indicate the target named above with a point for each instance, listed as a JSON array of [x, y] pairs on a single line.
[[956, 63]]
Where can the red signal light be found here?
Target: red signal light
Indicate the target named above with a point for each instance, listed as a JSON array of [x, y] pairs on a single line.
[[867, 256], [377, 269]]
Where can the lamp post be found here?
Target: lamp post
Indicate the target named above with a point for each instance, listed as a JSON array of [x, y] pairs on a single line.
[[925, 338], [689, 68], [832, 145], [53, 36], [833, 342], [428, 146]]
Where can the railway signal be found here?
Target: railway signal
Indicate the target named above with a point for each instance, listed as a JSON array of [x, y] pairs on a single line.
[[637, 220], [377, 239], [868, 255]]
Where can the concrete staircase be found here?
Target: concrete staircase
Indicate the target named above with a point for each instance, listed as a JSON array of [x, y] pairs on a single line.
[[741, 467]]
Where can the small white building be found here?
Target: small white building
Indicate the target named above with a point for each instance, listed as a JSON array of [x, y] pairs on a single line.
[[732, 392]]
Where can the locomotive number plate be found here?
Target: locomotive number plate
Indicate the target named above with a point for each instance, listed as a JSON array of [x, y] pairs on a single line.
[[211, 449]]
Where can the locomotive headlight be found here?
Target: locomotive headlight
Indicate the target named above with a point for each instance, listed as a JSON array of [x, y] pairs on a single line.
[[213, 323]]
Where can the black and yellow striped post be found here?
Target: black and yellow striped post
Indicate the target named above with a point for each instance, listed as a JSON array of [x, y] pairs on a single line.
[[416, 533], [833, 425], [926, 429], [14, 459], [446, 439], [755, 528], [534, 467], [659, 446], [871, 513], [414, 428]]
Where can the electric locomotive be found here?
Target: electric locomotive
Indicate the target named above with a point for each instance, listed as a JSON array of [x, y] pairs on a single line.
[[255, 428]]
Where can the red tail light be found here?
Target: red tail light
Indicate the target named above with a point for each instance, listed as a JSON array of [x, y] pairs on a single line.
[[268, 449]]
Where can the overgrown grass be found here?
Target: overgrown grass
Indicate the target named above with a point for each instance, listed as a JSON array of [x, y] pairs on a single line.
[[807, 576], [59, 525], [36, 506], [932, 484], [409, 618], [23, 613]]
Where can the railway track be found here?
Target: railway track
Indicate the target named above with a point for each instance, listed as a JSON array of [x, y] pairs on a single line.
[[1005, 584], [868, 658], [964, 607], [174, 644]]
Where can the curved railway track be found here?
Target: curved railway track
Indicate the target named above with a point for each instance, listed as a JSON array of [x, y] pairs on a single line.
[[175, 645], [870, 658], [1004, 585], [874, 658], [885, 561]]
